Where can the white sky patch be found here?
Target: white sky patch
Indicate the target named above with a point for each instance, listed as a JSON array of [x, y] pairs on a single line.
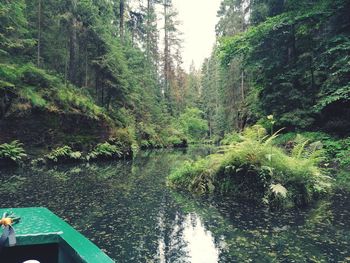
[[198, 19], [200, 242]]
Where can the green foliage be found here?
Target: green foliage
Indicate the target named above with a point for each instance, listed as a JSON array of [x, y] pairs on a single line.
[[13, 29], [154, 136], [231, 138], [335, 149], [150, 138], [278, 190], [299, 70], [105, 151], [343, 154], [29, 84], [256, 169], [85, 65], [343, 180], [12, 152], [70, 99], [255, 132], [192, 124], [126, 139], [196, 176], [224, 95], [173, 137], [175, 141], [33, 97], [63, 154], [340, 94]]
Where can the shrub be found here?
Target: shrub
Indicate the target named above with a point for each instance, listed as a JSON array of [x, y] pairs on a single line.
[[63, 154], [173, 138], [196, 176], [125, 140], [336, 150], [153, 136], [148, 136], [255, 169], [145, 144], [12, 153], [105, 151], [231, 138], [176, 141], [192, 124]]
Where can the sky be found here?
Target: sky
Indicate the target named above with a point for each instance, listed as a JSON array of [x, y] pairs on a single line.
[[198, 19]]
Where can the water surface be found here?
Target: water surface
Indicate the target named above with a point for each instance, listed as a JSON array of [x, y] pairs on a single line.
[[127, 210]]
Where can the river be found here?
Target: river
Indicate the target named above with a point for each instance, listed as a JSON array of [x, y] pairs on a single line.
[[126, 209]]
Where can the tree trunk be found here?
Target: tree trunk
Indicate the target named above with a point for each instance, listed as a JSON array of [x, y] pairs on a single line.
[[148, 41], [73, 48], [121, 21], [86, 68], [166, 50], [97, 82], [39, 33], [102, 95], [242, 86], [292, 48], [5, 103], [210, 127], [73, 52], [66, 64]]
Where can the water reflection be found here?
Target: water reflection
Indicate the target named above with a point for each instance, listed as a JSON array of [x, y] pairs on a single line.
[[200, 241], [189, 241], [126, 209]]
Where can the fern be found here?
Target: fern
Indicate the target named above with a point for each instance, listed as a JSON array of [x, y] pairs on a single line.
[[13, 151], [256, 132], [64, 153], [273, 136], [299, 149], [105, 151], [250, 168], [278, 190]]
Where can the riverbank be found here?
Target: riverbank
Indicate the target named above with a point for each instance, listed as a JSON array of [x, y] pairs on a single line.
[[46, 113], [14, 154]]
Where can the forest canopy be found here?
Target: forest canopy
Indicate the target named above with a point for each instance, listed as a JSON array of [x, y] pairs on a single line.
[[117, 66], [99, 59], [286, 58]]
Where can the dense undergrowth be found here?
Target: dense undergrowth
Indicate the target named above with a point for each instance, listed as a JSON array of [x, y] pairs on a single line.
[[122, 145], [253, 167], [63, 85], [336, 154], [24, 88], [336, 150]]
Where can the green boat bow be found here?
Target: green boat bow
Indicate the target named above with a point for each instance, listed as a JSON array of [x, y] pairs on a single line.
[[43, 236]]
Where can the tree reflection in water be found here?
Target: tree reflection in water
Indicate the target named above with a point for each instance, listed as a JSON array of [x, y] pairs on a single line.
[[127, 210]]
